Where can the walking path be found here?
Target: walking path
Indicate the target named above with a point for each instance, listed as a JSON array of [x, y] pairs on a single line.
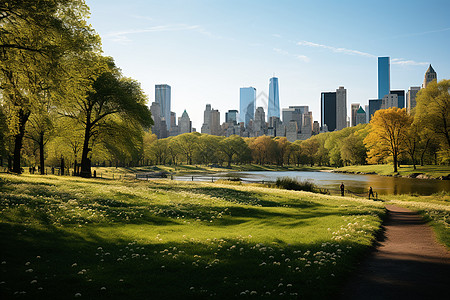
[[408, 263]]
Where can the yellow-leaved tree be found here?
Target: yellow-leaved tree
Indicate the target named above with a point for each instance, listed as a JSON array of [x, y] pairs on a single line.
[[388, 131]]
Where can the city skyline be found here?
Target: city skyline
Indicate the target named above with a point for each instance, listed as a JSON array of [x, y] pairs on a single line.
[[207, 52]]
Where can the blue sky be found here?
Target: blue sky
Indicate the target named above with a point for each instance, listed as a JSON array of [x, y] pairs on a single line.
[[207, 50]]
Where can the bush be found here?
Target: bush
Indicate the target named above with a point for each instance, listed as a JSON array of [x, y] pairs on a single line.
[[293, 184]]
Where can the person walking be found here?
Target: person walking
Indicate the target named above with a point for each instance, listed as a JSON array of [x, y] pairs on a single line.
[[371, 193], [342, 189]]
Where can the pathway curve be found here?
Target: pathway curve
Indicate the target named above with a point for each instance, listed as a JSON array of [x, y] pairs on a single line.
[[408, 263]]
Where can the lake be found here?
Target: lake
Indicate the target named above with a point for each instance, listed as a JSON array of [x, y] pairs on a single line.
[[358, 184]]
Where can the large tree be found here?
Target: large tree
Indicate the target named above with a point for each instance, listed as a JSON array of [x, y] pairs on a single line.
[[388, 132], [433, 110], [113, 99], [36, 37]]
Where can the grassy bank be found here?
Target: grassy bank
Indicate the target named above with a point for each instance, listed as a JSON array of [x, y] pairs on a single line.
[[165, 239], [404, 170]]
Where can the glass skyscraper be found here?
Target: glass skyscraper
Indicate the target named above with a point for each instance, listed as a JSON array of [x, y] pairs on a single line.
[[328, 110], [274, 100], [247, 104], [162, 96], [384, 77], [401, 98]]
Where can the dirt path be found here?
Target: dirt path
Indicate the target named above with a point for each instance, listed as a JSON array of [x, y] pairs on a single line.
[[408, 263]]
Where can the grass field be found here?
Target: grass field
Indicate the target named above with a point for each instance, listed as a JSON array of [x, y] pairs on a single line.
[[66, 237], [403, 170]]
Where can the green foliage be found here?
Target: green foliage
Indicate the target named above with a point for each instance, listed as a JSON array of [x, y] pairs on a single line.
[[288, 183]]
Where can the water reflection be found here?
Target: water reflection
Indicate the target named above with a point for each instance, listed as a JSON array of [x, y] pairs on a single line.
[[359, 183]]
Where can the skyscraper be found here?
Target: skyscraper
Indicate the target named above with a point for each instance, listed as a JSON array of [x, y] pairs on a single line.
[[232, 116], [374, 105], [328, 110], [360, 116], [430, 75], [184, 123], [401, 98], [274, 100], [162, 96], [341, 108], [411, 98], [384, 77], [354, 109], [247, 104]]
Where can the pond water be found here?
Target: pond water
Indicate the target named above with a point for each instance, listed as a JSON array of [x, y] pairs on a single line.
[[357, 184]]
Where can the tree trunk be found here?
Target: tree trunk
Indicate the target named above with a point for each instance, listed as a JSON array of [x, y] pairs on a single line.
[[395, 163], [41, 153], [85, 163], [18, 141]]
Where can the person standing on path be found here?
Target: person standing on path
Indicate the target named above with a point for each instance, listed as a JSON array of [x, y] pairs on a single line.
[[371, 193], [342, 189]]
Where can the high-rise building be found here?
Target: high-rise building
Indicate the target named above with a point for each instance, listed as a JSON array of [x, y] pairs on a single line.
[[389, 100], [211, 121], [341, 108], [274, 100], [360, 116], [374, 105], [430, 75], [247, 104], [401, 98], [354, 109], [384, 77], [232, 116], [411, 98], [162, 96], [184, 123], [366, 109], [328, 111], [159, 124], [259, 123]]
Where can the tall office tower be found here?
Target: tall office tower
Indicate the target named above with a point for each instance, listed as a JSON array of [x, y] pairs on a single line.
[[275, 127], [211, 121], [159, 125], [328, 111], [354, 109], [259, 124], [374, 105], [384, 77], [401, 98], [366, 109], [388, 101], [173, 119], [316, 127], [274, 100], [247, 105], [411, 98], [341, 108], [307, 126], [360, 116], [232, 116], [430, 75], [162, 96], [184, 123]]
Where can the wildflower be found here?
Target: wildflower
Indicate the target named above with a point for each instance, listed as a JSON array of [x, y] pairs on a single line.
[[78, 295], [103, 288], [29, 271]]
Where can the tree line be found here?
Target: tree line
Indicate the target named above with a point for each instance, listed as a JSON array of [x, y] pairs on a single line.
[[59, 97]]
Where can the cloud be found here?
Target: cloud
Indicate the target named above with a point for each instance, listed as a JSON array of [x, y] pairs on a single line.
[[303, 58], [123, 36], [404, 62], [276, 35], [280, 51], [335, 49]]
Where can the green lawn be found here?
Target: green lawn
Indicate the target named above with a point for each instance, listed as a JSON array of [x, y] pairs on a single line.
[[403, 170], [66, 237]]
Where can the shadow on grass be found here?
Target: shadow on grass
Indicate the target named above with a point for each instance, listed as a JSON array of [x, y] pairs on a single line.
[[84, 262]]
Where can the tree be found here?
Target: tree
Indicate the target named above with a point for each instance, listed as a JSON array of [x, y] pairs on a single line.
[[388, 132], [353, 150], [112, 97], [188, 144], [35, 38], [231, 146]]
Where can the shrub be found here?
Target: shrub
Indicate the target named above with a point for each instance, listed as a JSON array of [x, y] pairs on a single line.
[[294, 184]]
